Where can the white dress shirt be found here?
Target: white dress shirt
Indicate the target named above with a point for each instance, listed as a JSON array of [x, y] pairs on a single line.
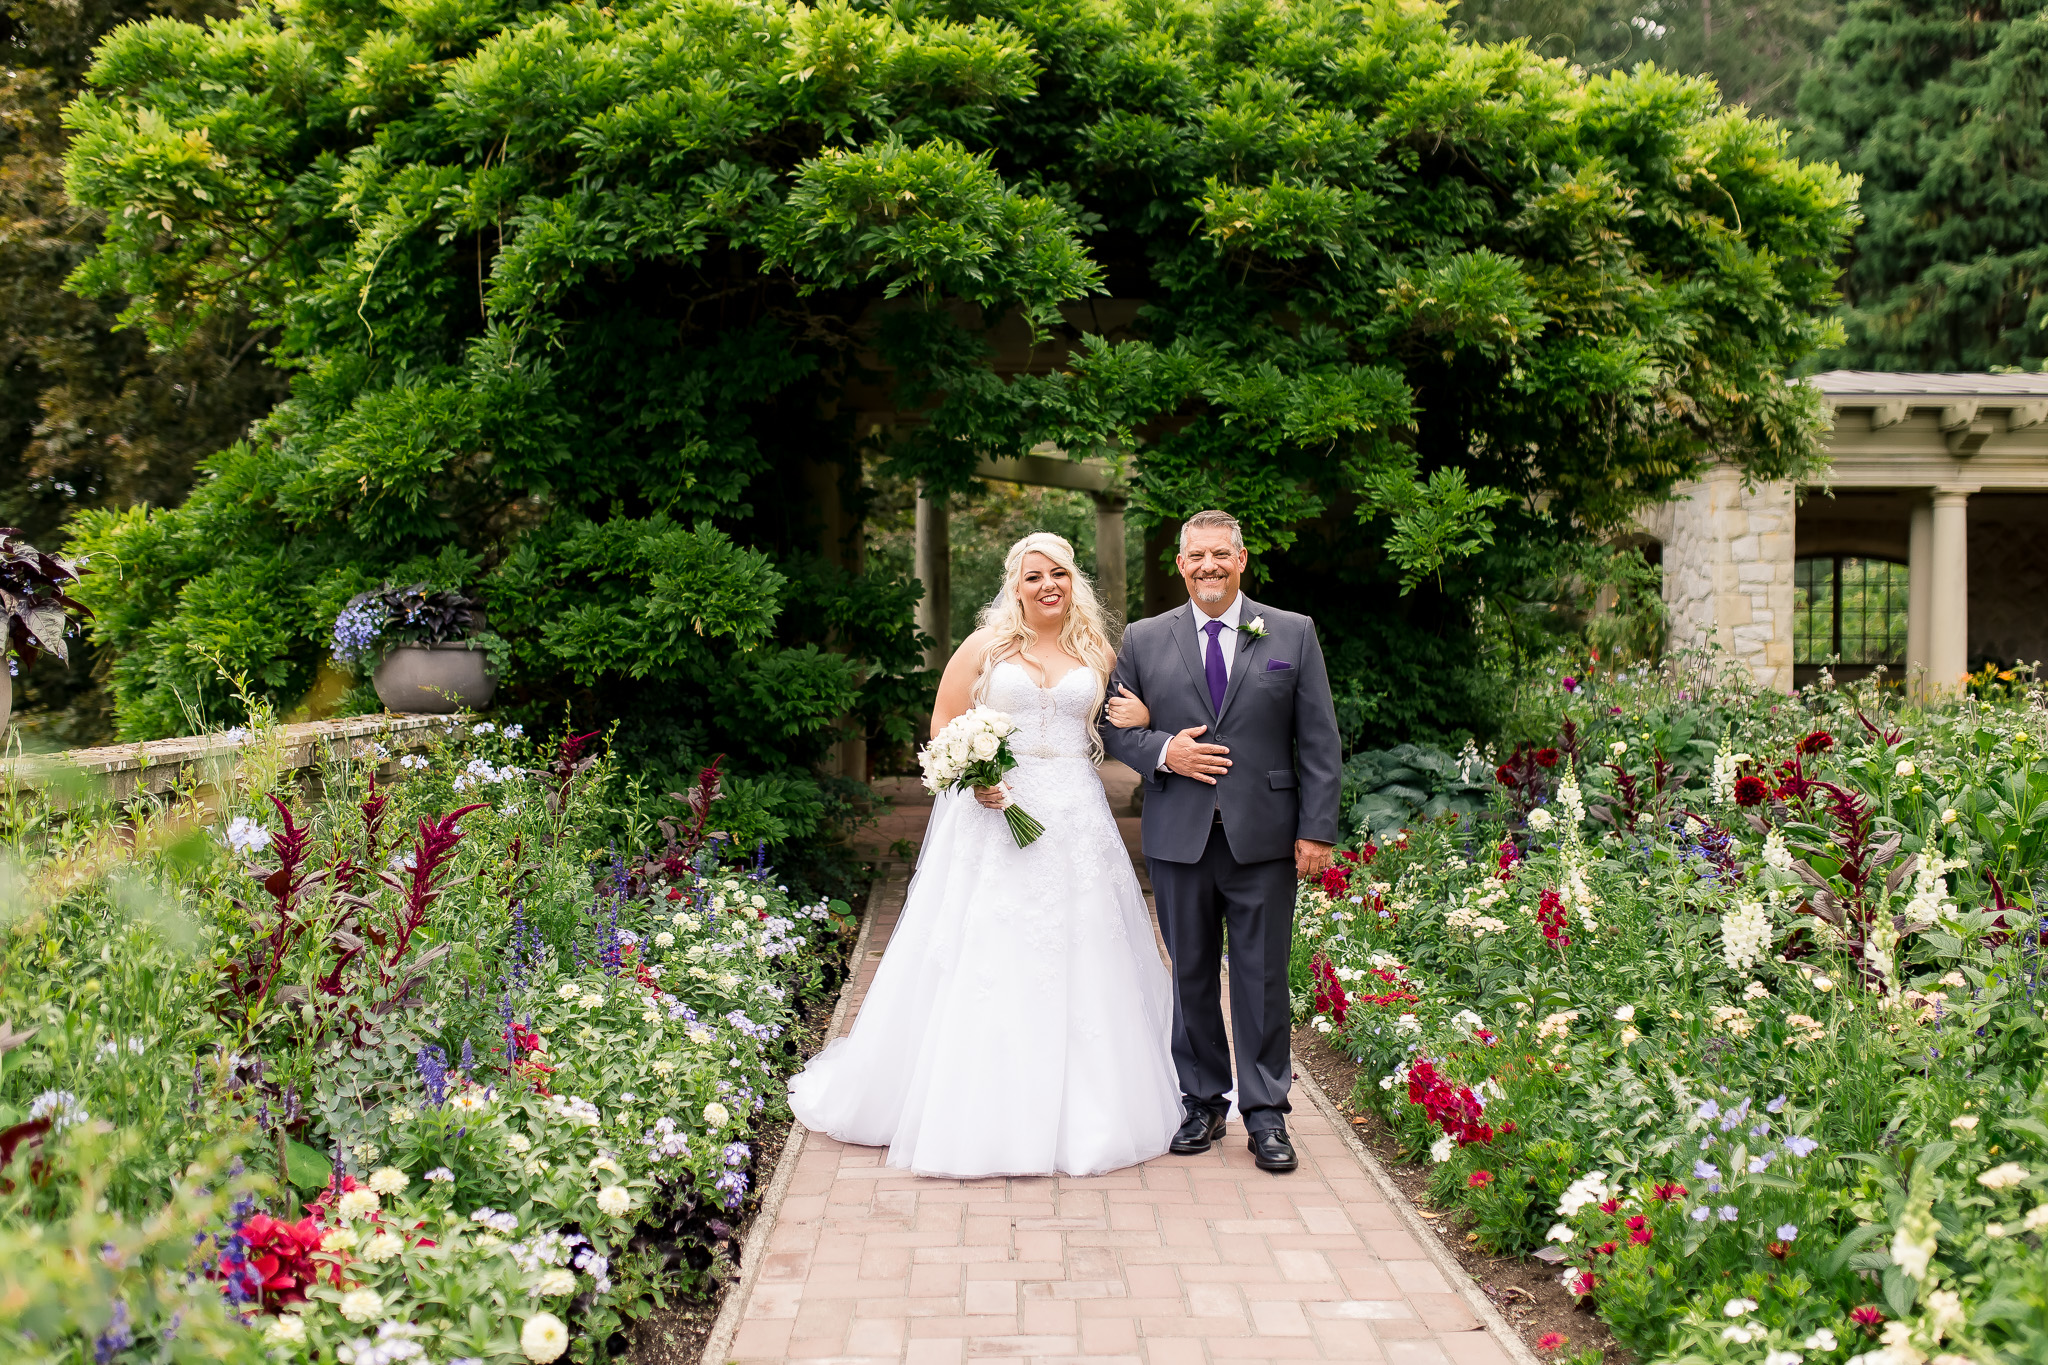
[[1226, 643]]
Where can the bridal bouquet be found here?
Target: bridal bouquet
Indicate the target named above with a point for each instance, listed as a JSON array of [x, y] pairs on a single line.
[[974, 751]]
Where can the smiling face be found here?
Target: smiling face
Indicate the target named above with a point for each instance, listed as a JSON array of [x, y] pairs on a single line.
[[1211, 567], [1044, 589]]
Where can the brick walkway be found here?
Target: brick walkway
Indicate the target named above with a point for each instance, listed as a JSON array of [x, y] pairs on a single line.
[[1183, 1261]]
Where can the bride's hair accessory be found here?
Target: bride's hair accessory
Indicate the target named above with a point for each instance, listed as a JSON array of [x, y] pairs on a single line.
[[1084, 634]]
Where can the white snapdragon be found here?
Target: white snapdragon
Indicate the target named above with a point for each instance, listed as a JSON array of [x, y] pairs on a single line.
[[1745, 935], [1776, 855], [1569, 797]]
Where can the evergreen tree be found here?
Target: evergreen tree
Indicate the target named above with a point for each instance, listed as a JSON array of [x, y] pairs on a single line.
[[1939, 106]]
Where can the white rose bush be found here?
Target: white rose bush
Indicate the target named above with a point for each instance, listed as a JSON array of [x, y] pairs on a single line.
[[973, 750], [432, 1070], [1734, 1002]]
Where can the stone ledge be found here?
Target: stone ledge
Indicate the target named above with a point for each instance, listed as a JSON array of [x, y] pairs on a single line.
[[159, 765]]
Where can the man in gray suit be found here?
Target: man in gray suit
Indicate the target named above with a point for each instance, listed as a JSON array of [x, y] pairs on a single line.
[[1242, 771]]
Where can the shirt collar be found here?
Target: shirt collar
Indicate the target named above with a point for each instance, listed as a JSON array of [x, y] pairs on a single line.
[[1230, 617]]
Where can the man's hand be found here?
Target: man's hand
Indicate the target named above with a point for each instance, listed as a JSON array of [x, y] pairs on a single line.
[[1203, 762], [1311, 858]]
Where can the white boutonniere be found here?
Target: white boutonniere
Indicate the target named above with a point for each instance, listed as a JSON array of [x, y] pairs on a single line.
[[1254, 629]]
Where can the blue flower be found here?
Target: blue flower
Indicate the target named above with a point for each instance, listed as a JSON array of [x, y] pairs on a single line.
[[1775, 1105], [1788, 1232], [1702, 1214], [1710, 1110], [1801, 1146], [1728, 1213], [1705, 1170]]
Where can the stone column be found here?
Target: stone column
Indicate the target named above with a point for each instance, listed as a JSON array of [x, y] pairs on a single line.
[[1948, 610], [1728, 572], [1919, 599], [1111, 582], [934, 569]]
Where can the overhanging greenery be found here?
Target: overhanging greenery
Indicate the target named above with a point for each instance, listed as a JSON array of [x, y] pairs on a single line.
[[585, 303]]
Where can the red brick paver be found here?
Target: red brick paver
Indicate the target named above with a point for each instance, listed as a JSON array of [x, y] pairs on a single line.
[[1181, 1261]]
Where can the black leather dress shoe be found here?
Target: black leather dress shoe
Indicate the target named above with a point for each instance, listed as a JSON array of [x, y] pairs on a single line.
[[1195, 1135], [1271, 1151]]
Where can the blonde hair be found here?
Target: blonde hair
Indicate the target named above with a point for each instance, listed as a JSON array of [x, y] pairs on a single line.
[[1084, 633]]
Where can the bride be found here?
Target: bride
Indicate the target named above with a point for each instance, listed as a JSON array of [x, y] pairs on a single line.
[[1019, 1022]]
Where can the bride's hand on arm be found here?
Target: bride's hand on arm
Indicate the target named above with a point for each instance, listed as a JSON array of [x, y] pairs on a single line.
[[1126, 712]]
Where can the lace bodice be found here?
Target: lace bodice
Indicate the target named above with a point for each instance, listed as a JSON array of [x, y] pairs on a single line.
[[1052, 722]]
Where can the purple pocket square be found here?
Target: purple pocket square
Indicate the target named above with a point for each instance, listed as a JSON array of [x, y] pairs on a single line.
[[1277, 665]]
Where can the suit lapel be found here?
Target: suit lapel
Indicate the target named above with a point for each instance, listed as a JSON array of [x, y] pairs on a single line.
[[1249, 654], [1181, 619]]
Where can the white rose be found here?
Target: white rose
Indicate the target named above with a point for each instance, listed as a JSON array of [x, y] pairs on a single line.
[[615, 1201], [985, 746], [543, 1338]]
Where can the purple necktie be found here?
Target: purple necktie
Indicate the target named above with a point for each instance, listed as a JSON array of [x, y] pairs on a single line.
[[1212, 667]]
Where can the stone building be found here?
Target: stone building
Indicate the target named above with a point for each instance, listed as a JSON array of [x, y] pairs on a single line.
[[1924, 548]]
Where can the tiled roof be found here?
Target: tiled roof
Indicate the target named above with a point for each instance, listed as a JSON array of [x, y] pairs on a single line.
[[1841, 384]]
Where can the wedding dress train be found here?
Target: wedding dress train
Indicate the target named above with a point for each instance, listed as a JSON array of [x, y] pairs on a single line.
[[1019, 1022]]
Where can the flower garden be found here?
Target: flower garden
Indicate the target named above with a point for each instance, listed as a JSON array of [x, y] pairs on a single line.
[[1728, 1007], [465, 1067]]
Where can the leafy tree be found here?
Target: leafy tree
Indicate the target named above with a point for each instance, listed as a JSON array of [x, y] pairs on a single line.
[[584, 301], [89, 416], [1939, 106]]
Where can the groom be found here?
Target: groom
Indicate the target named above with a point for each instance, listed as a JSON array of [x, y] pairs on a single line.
[[1242, 773]]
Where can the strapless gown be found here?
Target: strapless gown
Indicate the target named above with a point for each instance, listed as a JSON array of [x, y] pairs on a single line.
[[1019, 1021]]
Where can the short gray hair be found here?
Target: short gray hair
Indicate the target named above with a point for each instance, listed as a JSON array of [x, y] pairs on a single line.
[[1212, 517]]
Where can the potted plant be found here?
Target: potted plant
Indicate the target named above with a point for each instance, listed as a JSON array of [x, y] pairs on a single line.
[[34, 607], [430, 648]]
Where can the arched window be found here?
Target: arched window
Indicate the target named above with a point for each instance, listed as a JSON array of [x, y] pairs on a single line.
[[1848, 607]]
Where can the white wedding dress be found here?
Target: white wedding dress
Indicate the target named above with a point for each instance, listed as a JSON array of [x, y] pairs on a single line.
[[1019, 1022]]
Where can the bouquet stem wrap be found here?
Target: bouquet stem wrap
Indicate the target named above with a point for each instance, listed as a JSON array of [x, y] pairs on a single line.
[[974, 751]]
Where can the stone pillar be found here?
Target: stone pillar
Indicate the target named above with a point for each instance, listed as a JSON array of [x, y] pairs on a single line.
[[1948, 610], [1111, 582], [934, 569], [1728, 572], [1919, 599]]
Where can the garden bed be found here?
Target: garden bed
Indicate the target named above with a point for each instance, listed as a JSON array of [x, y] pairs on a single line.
[[483, 1066], [1729, 1005], [1524, 1289]]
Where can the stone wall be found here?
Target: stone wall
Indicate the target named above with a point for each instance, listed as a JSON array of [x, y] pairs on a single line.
[[1728, 571], [200, 762]]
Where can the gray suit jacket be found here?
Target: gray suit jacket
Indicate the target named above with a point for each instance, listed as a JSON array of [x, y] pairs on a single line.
[[1278, 722]]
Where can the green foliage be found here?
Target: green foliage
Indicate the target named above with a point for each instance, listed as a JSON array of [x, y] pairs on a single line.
[[1938, 107], [561, 283]]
